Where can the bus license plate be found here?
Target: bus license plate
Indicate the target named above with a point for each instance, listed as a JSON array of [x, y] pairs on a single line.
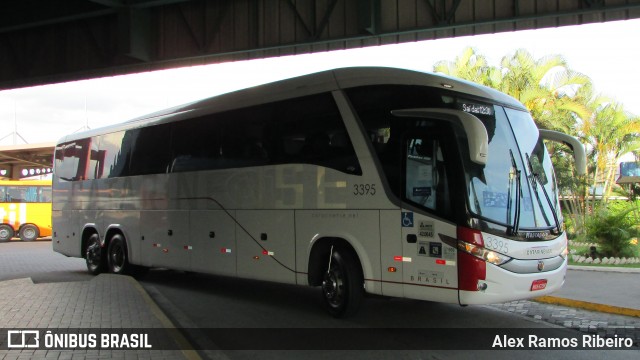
[[538, 284]]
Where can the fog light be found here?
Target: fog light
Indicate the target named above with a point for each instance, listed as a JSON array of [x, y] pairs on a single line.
[[482, 286]]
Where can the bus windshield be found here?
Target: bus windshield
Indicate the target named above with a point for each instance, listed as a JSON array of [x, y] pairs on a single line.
[[516, 188]]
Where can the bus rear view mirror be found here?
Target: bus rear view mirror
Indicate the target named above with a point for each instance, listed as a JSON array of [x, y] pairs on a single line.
[[579, 154], [473, 127]]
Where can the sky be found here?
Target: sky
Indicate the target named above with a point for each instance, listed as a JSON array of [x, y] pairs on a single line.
[[609, 53]]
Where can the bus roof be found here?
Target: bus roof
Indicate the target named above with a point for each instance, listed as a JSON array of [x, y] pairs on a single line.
[[329, 80]]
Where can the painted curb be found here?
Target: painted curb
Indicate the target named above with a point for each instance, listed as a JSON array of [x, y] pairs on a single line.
[[628, 270], [588, 306]]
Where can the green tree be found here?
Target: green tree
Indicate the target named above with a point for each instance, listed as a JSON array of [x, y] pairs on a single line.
[[546, 86], [611, 132], [613, 228], [469, 65]]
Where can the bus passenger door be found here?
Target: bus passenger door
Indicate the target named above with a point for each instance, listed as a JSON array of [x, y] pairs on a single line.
[[213, 238], [429, 265]]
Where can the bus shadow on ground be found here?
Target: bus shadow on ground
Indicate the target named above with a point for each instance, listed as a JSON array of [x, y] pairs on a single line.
[[210, 300]]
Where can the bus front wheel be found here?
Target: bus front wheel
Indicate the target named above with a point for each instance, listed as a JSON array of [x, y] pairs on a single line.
[[118, 261], [6, 233], [94, 256], [342, 285], [29, 232]]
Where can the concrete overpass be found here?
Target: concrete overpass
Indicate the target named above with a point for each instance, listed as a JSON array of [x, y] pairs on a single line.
[[61, 40]]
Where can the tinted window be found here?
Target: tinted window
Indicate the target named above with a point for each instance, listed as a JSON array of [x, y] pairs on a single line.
[[302, 130], [115, 149], [310, 130], [197, 145], [151, 150], [71, 160]]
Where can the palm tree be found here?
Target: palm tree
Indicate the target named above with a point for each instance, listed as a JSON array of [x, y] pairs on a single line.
[[469, 65], [612, 132], [547, 87]]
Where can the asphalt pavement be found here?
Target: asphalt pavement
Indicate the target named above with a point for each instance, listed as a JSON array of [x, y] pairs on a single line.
[[611, 286]]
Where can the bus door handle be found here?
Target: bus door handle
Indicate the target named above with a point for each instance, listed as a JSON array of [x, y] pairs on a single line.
[[412, 238]]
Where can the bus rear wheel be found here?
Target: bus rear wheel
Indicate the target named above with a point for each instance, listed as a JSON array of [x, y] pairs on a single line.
[[94, 256], [117, 258], [342, 285], [29, 232], [6, 233]]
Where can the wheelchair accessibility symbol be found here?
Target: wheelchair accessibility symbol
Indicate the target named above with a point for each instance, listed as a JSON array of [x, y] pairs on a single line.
[[407, 219]]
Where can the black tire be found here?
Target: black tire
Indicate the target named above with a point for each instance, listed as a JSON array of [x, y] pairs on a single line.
[[342, 285], [118, 258], [29, 232], [95, 256], [6, 233]]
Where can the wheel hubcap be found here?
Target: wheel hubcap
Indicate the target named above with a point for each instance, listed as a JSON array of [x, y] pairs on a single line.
[[332, 286], [93, 254], [117, 258]]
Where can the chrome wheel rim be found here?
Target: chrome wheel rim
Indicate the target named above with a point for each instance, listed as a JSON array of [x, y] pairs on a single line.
[[117, 258], [333, 287], [93, 254]]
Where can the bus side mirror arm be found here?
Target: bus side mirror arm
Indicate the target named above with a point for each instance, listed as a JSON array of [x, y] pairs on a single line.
[[579, 154], [474, 128]]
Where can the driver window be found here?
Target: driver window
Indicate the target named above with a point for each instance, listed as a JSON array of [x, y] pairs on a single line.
[[426, 182]]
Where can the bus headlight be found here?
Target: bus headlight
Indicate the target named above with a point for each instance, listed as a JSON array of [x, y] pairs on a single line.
[[484, 254], [565, 252]]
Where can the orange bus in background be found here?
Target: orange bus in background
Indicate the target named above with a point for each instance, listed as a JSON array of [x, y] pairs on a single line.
[[25, 209]]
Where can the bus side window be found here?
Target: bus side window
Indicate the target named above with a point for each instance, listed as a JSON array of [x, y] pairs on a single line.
[[310, 130], [115, 151], [44, 194], [17, 194], [246, 141], [71, 160], [195, 144], [151, 150]]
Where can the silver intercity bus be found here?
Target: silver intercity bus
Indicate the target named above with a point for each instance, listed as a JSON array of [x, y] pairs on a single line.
[[377, 180]]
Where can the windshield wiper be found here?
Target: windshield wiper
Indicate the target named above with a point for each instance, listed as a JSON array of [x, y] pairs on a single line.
[[536, 181], [513, 227]]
